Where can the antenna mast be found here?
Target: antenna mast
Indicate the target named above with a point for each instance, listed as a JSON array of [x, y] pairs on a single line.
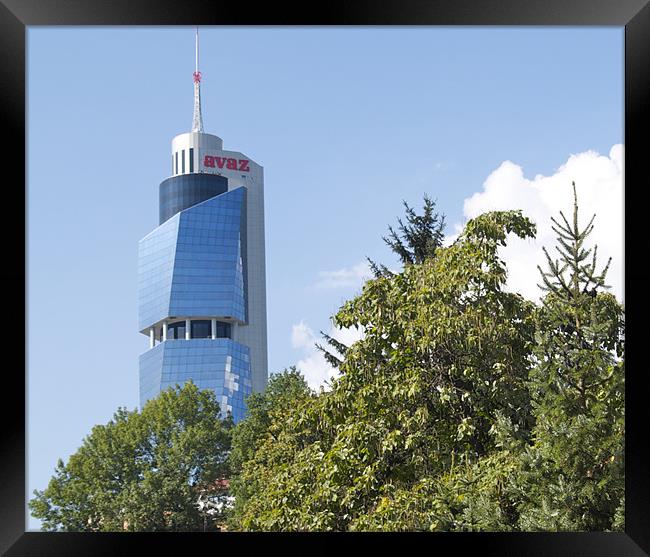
[[197, 118]]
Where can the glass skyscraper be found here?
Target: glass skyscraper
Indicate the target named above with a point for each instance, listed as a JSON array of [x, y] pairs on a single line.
[[201, 273]]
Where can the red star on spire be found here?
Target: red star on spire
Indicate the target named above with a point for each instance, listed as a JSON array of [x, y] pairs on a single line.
[[197, 77]]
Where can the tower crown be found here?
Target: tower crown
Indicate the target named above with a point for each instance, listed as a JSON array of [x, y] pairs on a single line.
[[187, 147]]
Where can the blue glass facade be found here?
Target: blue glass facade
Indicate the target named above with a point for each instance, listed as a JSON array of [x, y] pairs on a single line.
[[208, 276], [193, 266], [156, 256], [222, 365]]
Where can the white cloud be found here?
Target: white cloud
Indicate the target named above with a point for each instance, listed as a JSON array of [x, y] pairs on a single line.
[[344, 278], [313, 364], [599, 184], [301, 335]]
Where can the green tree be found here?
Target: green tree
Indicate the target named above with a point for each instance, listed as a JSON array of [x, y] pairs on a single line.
[[417, 240], [444, 358], [573, 474], [143, 471], [464, 407], [285, 390]]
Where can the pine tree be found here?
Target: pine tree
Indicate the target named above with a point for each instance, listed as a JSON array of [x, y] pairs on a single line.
[[573, 254], [573, 473], [338, 346], [416, 241]]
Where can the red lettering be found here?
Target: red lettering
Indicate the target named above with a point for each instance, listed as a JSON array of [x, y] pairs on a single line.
[[230, 164]]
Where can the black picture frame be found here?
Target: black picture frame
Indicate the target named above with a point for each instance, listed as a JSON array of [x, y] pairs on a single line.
[[15, 15]]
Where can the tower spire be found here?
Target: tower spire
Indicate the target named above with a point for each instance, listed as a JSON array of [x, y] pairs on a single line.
[[197, 118]]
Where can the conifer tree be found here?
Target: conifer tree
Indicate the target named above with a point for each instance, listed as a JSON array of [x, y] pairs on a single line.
[[573, 255], [573, 473], [416, 241]]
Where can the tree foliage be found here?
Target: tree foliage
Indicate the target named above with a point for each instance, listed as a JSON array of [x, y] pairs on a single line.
[[143, 471], [284, 392], [417, 240], [464, 407], [575, 467], [445, 353]]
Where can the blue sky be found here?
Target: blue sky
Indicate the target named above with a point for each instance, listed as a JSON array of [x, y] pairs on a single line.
[[347, 123]]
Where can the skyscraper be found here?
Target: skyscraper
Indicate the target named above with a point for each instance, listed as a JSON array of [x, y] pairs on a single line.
[[201, 272]]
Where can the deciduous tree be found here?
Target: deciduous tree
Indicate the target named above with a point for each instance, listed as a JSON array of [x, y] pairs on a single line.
[[143, 471], [417, 240], [445, 354]]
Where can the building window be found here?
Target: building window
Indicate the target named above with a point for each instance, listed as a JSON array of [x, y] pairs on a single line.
[[224, 330], [176, 172], [201, 329], [176, 330], [191, 160], [183, 161]]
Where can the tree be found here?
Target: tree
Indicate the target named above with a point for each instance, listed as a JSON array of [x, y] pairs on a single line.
[[464, 407], [143, 471], [285, 390], [418, 239], [573, 474], [443, 359]]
